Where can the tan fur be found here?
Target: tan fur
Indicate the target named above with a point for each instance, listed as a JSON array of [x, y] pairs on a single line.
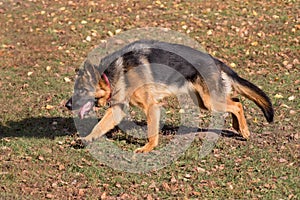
[[102, 92]]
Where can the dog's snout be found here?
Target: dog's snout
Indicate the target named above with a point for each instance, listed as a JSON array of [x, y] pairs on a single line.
[[69, 104]]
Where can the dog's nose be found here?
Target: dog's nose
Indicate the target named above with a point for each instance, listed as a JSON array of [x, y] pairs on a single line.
[[69, 104]]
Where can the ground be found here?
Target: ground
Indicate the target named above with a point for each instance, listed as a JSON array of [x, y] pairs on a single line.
[[41, 44]]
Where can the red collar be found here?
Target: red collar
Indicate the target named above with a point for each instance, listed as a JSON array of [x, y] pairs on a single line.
[[107, 82]]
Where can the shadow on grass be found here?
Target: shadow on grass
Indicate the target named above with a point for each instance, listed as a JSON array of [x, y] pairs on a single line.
[[42, 127], [169, 129], [45, 127]]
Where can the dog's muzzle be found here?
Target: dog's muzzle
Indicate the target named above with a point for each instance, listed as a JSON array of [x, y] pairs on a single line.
[[83, 110]]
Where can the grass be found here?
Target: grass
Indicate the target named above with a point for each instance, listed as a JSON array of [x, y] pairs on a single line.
[[38, 158]]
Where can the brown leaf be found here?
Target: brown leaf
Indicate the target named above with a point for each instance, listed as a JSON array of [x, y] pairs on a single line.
[[166, 186], [50, 196], [41, 158], [81, 192]]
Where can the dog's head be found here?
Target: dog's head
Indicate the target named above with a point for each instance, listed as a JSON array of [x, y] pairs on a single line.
[[90, 90]]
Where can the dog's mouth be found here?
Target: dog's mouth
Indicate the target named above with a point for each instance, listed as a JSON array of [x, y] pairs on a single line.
[[85, 109]]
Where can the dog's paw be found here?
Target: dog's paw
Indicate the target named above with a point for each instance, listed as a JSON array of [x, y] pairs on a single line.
[[145, 149], [140, 150], [85, 141], [245, 134]]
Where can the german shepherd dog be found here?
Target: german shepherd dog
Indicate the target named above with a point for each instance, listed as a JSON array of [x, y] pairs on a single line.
[[146, 71]]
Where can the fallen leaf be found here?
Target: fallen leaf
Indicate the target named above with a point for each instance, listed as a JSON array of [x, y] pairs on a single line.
[[254, 43], [118, 31], [49, 107], [103, 195], [282, 160], [166, 186], [233, 65], [110, 33], [173, 180], [62, 8], [49, 196], [83, 22], [278, 96], [209, 32], [41, 158], [88, 38], [187, 176], [184, 27], [285, 62], [61, 167], [200, 169], [81, 192], [291, 98], [29, 73], [67, 80], [292, 112]]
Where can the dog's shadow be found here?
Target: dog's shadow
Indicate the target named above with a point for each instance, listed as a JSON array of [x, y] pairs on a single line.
[[51, 127], [41, 127], [134, 128]]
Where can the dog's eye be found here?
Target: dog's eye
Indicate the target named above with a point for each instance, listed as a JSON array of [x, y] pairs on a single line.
[[82, 91]]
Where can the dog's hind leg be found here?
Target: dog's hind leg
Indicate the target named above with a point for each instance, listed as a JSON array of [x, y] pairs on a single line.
[[235, 122], [226, 104], [239, 123], [111, 118], [236, 109]]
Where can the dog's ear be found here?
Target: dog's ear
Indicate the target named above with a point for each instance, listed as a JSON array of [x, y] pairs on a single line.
[[91, 72]]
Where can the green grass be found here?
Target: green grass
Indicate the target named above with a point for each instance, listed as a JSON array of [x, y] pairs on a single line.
[[38, 158]]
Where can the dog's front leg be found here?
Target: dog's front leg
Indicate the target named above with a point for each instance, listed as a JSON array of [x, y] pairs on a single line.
[[153, 117], [111, 118]]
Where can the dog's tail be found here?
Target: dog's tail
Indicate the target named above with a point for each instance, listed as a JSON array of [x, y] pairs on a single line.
[[250, 91]]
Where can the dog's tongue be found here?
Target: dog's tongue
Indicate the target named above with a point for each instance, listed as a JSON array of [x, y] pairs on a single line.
[[85, 108]]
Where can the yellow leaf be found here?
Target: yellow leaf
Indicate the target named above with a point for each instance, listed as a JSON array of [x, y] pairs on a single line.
[[254, 43], [285, 62], [66, 79], [110, 33], [209, 32], [278, 96], [83, 22], [49, 107], [233, 65]]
